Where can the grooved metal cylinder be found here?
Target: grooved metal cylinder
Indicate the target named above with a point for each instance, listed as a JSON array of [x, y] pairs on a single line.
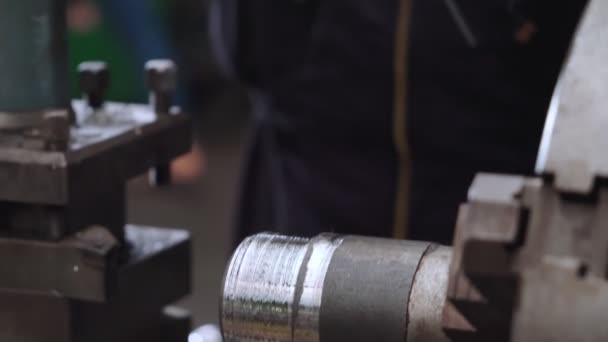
[[334, 288], [33, 61]]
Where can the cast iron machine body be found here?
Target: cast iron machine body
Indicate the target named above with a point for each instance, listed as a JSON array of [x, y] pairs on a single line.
[[71, 268]]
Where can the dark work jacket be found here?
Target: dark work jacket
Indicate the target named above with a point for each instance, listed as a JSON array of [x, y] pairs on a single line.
[[321, 154], [477, 106], [321, 157]]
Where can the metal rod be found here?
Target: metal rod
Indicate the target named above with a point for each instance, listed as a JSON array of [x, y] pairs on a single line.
[[334, 288]]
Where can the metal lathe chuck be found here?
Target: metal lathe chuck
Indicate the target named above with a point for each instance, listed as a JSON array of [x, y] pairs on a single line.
[[334, 288]]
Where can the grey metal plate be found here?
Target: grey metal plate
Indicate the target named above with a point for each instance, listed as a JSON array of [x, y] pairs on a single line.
[[366, 289], [558, 305], [575, 142], [114, 145]]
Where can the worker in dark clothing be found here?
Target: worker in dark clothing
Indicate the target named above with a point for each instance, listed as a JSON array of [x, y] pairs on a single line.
[[481, 75], [321, 155], [322, 75]]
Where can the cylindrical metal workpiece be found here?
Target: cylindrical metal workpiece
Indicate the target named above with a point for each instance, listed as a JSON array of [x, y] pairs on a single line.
[[334, 288], [34, 62]]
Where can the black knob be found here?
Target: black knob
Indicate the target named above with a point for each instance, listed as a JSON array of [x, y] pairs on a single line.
[[161, 80], [94, 82]]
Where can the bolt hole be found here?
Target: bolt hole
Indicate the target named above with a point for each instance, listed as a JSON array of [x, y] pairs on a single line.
[[582, 271]]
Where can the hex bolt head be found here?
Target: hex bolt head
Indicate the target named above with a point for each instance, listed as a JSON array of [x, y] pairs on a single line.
[[161, 80], [55, 130], [161, 75], [94, 79]]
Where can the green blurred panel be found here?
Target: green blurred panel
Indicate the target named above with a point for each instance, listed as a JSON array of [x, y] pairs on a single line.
[[100, 44], [105, 44]]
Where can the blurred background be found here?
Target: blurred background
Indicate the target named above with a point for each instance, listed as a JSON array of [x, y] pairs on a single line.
[[126, 33]]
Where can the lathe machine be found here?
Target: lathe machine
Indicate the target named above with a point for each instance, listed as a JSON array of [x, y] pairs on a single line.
[[528, 264], [71, 269]]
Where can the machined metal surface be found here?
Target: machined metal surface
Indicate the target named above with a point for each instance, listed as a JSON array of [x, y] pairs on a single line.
[[428, 296], [258, 298], [333, 288], [558, 304], [367, 288], [87, 266], [495, 217], [529, 263], [575, 140], [34, 61]]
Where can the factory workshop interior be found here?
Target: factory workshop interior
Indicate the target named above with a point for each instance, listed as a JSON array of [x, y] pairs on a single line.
[[303, 170]]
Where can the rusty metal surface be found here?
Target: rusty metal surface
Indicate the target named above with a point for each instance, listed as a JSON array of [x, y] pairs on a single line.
[[575, 140], [117, 143], [87, 266]]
